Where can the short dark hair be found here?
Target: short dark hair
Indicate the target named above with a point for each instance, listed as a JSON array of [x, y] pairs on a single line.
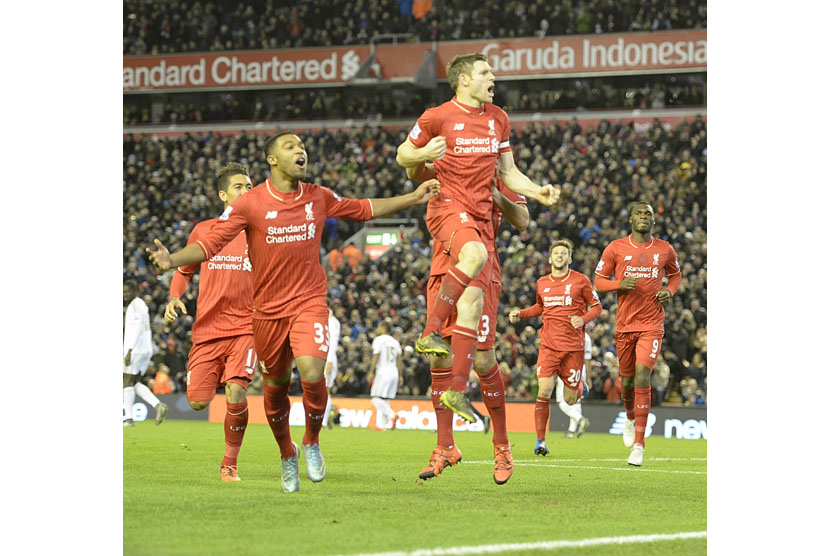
[[635, 203], [223, 176], [132, 287], [269, 144], [463, 63]]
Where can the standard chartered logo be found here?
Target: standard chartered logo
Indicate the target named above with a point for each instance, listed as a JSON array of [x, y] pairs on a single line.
[[349, 65]]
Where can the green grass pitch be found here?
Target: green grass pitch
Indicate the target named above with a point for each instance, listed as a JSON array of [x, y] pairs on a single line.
[[372, 500]]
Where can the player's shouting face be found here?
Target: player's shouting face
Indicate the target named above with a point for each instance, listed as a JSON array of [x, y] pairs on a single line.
[[289, 157], [642, 218], [481, 82]]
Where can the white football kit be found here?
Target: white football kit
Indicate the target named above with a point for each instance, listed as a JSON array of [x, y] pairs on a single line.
[[385, 384], [137, 337]]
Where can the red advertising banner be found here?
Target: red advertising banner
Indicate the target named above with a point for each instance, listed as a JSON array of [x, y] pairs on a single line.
[[513, 58], [360, 413], [243, 69], [584, 54]]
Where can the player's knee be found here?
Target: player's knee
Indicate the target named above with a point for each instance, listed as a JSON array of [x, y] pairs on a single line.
[[570, 397], [545, 388], [627, 382], [234, 393], [198, 406], [472, 257], [642, 377], [484, 361], [471, 302]]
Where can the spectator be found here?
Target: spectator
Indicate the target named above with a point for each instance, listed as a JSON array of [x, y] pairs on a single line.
[[352, 255]]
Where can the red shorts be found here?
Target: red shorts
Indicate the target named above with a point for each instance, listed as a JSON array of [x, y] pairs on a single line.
[[217, 362], [567, 365], [279, 341], [637, 348]]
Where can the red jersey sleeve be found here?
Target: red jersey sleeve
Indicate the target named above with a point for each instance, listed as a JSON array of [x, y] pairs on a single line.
[[591, 298], [342, 207], [607, 263], [226, 228], [673, 264], [511, 195], [424, 129], [504, 131]]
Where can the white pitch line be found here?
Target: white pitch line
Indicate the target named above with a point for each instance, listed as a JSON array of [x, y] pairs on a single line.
[[536, 460], [629, 468], [544, 545]]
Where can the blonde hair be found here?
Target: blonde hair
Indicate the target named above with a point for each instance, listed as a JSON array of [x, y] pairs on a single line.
[[563, 243]]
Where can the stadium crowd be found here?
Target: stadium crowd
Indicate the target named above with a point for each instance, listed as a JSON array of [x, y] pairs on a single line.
[[170, 26], [577, 94], [168, 187]]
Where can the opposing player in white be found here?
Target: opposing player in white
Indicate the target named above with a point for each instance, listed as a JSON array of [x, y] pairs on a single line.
[[578, 423], [138, 348], [331, 362], [385, 375]]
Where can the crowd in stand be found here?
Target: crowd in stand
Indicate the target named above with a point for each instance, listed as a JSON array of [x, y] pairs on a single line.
[[168, 187], [581, 94], [169, 26]]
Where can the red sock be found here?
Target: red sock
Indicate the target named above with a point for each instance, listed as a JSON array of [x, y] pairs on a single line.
[[628, 401], [492, 392], [236, 420], [443, 416], [453, 285], [277, 407], [463, 344], [642, 405], [541, 415], [315, 396]]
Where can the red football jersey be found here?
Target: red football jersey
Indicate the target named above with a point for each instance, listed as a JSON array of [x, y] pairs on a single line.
[[638, 309], [560, 298], [283, 231], [224, 305], [475, 139]]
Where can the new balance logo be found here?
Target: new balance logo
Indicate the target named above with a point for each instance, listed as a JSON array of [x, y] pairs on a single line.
[[270, 215], [458, 127], [463, 216], [627, 258], [546, 290]]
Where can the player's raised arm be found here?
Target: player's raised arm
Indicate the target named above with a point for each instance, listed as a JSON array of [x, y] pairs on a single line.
[[516, 181], [409, 155], [425, 192], [163, 260], [515, 213], [422, 171]]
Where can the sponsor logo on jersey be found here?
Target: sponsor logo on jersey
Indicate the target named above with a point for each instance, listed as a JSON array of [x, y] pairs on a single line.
[[458, 127], [627, 258], [546, 290], [227, 213], [494, 145], [312, 230], [336, 196], [463, 216], [270, 215], [308, 208], [600, 265], [416, 131]]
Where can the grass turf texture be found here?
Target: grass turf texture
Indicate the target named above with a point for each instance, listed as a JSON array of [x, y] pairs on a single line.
[[373, 501]]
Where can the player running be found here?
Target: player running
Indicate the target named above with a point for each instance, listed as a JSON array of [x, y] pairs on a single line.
[[223, 342], [290, 317], [637, 264], [566, 301]]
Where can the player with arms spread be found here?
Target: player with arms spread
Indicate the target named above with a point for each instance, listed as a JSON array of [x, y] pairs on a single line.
[[566, 301], [637, 263], [467, 139], [290, 318], [223, 342]]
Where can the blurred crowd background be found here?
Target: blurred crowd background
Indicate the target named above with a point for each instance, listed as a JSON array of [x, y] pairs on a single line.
[[164, 27], [168, 188]]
